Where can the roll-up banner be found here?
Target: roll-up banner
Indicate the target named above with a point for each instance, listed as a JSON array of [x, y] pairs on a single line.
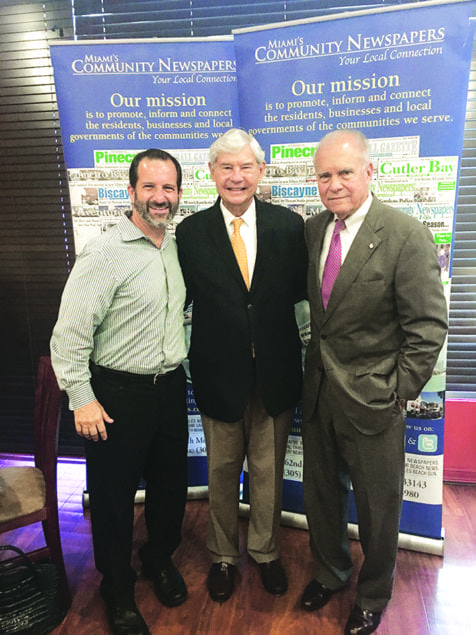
[[120, 97], [399, 75]]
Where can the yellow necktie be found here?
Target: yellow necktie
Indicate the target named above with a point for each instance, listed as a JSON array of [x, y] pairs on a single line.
[[239, 248]]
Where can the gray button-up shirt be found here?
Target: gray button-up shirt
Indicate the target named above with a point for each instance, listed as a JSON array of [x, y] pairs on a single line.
[[122, 307]]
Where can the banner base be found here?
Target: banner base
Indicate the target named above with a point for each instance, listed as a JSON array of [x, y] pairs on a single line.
[[197, 492], [433, 546]]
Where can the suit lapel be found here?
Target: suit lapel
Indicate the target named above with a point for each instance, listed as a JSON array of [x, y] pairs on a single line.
[[221, 243], [363, 246], [263, 228], [318, 230]]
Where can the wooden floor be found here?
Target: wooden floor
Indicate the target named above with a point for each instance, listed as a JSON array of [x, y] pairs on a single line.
[[432, 595]]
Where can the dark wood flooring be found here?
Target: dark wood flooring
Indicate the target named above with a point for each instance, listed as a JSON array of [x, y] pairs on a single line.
[[432, 595]]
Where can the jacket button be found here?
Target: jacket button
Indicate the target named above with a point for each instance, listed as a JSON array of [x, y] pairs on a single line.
[[249, 307], [323, 337]]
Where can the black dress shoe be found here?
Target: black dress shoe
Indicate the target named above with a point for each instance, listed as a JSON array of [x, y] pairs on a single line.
[[315, 596], [274, 577], [221, 581], [123, 614], [362, 621], [169, 586]]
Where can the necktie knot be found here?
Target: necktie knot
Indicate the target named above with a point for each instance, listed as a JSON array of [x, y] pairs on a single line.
[[339, 226]]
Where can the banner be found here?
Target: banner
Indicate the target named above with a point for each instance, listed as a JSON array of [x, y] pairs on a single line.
[[399, 75], [118, 98]]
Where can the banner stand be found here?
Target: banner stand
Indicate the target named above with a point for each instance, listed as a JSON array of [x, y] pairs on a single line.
[[377, 70], [411, 542], [298, 521]]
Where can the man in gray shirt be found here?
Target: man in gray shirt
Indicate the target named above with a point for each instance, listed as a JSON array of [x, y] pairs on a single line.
[[117, 350]]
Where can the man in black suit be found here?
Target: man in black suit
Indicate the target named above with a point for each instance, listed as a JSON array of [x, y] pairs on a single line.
[[245, 352], [375, 338]]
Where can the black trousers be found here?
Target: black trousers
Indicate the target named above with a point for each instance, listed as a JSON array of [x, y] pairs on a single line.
[[149, 439]]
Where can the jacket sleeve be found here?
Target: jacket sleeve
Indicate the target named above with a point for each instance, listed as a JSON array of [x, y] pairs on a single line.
[[422, 311]]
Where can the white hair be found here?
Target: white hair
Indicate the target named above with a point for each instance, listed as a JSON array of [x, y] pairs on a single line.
[[233, 141]]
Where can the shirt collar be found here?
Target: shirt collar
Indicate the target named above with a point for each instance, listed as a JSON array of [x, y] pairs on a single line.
[[248, 217], [358, 216], [129, 231]]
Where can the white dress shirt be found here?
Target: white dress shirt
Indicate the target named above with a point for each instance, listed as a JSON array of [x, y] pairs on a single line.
[[347, 235], [247, 231]]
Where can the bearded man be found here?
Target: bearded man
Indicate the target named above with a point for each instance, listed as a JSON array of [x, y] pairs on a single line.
[[117, 350]]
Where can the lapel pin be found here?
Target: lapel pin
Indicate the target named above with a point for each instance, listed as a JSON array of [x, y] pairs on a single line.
[[371, 245]]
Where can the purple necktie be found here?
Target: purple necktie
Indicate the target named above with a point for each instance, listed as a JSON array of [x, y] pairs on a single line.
[[333, 262]]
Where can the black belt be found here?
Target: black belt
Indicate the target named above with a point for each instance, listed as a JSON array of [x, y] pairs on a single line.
[[102, 371]]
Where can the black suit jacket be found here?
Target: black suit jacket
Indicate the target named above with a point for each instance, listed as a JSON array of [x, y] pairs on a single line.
[[229, 322]]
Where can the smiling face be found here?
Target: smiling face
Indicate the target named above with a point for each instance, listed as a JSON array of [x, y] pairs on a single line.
[[156, 197], [343, 174], [236, 178]]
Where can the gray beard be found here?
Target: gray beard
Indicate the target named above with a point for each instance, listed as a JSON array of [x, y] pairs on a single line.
[[143, 211]]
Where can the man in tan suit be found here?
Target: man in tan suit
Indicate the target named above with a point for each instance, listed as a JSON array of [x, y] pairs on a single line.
[[375, 338], [245, 354]]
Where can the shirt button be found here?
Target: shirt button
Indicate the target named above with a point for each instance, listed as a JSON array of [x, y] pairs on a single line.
[[249, 307]]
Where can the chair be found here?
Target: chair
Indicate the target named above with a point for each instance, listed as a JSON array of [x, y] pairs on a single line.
[[28, 494]]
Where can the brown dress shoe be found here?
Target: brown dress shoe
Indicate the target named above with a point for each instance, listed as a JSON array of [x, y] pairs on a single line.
[[315, 596], [362, 621], [274, 577], [221, 581]]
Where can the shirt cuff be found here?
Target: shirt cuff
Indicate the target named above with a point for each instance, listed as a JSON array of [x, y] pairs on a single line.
[[80, 396]]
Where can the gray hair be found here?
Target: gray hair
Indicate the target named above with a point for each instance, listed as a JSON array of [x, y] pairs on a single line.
[[233, 141], [358, 136]]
